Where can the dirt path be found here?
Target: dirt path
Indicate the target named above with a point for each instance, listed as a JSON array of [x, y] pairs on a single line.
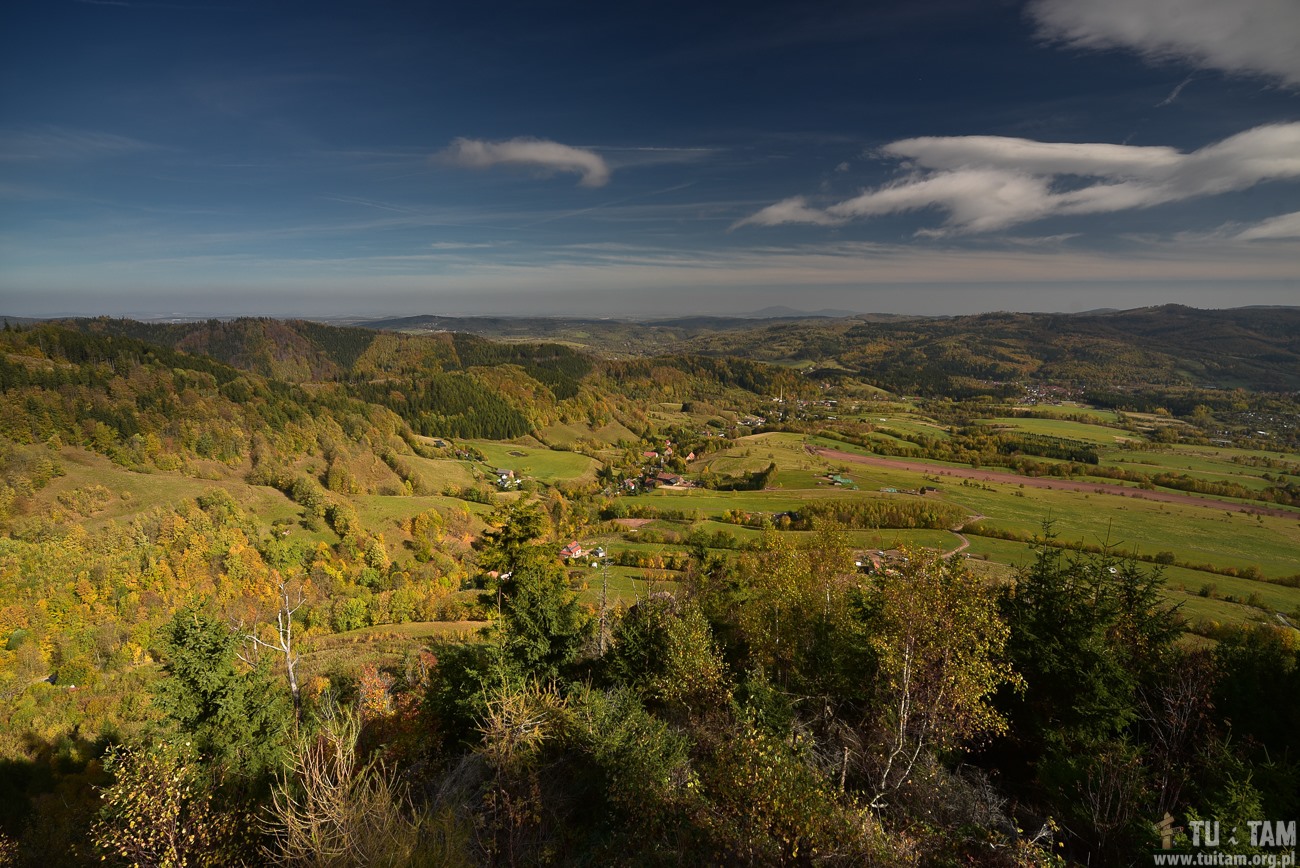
[[965, 544], [1053, 483]]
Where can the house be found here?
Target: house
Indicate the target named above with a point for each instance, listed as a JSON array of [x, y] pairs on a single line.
[[668, 479], [650, 454], [572, 550]]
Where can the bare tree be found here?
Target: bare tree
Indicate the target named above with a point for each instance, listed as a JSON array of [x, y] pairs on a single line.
[[283, 642], [1177, 713], [336, 809]]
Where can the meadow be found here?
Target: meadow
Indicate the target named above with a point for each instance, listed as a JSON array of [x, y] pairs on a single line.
[[1263, 546], [530, 462]]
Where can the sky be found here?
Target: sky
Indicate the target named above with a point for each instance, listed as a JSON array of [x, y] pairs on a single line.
[[382, 158]]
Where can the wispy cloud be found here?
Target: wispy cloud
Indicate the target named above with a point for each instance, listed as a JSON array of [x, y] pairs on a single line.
[[541, 154], [466, 245], [1281, 226], [1239, 36], [1173, 94], [989, 183], [625, 157], [793, 210], [32, 143]]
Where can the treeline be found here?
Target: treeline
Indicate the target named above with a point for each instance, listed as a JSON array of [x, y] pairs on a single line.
[[442, 385], [879, 513], [448, 405], [1046, 446], [701, 378], [145, 406], [559, 367]]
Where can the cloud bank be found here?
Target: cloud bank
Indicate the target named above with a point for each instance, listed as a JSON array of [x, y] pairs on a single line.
[[989, 183], [538, 153], [1240, 36]]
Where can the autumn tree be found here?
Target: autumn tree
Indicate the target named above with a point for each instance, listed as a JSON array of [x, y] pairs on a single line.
[[939, 643], [337, 808], [159, 812]]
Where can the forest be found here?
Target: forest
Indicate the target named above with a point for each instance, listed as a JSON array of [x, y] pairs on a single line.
[[286, 593]]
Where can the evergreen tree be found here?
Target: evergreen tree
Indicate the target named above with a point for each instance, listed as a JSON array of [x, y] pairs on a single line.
[[541, 630], [237, 719]]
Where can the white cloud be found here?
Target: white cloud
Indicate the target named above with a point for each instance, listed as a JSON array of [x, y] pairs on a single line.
[[1240, 36], [538, 153], [1281, 226], [792, 210], [987, 183]]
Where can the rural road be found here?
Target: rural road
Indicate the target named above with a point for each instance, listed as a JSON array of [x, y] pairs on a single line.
[[1051, 483], [965, 544]]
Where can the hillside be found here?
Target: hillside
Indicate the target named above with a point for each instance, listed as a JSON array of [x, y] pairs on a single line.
[[684, 591], [1170, 346]]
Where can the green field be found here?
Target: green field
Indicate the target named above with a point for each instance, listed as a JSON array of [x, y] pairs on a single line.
[[544, 465], [385, 646], [438, 474], [383, 512], [133, 493], [1068, 409], [627, 585], [1063, 428], [567, 435], [1223, 538], [1212, 465]]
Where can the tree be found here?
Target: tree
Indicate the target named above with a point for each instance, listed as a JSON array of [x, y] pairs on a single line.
[[541, 629], [664, 650], [159, 811], [939, 642], [797, 618], [1085, 633], [237, 719], [337, 809], [283, 642]]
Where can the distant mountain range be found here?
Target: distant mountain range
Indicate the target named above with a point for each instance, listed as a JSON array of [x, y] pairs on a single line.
[[1171, 346]]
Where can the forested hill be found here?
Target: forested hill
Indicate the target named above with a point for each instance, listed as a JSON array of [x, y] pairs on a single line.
[[1169, 346], [444, 385], [305, 351]]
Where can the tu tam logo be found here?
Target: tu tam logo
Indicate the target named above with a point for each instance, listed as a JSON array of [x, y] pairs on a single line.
[[1263, 833]]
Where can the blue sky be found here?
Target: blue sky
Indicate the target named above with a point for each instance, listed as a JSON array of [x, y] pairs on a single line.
[[646, 158]]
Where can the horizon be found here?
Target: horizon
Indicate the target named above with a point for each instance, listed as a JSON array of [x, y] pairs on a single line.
[[651, 160], [756, 316]]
